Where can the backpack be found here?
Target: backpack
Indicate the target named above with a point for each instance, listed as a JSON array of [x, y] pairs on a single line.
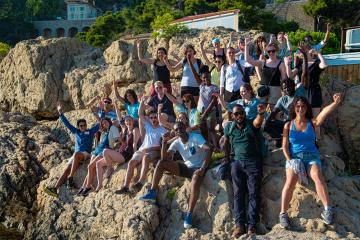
[[260, 141]]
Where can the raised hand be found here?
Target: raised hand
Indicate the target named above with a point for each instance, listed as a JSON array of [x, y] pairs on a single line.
[[328, 27], [337, 98], [233, 34], [287, 60], [59, 107], [203, 41], [160, 107], [286, 37], [137, 43], [261, 108]]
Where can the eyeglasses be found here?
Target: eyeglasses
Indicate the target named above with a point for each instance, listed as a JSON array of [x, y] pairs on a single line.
[[218, 61], [239, 113], [271, 51]]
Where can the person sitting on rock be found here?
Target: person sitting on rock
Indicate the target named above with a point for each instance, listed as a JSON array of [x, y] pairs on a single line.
[[150, 132], [299, 143], [160, 71], [160, 98], [196, 155], [83, 143], [109, 137], [104, 109], [130, 101], [243, 137]]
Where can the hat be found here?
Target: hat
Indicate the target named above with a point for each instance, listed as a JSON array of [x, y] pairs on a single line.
[[215, 40]]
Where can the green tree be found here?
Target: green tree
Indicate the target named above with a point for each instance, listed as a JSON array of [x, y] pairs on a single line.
[[46, 9], [4, 49], [162, 27]]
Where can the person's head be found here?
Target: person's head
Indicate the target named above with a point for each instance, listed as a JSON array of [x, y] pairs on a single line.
[[259, 43], [107, 103], [130, 97], [280, 37], [216, 42], [219, 61], [159, 87], [247, 92], [288, 87], [205, 75], [230, 54], [189, 101], [238, 114], [182, 117], [189, 50], [308, 39], [241, 44], [81, 124], [300, 107], [313, 54], [105, 124], [272, 49], [152, 115], [129, 121], [180, 130], [161, 53]]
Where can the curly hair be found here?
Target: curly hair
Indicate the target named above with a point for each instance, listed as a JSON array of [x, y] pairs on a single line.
[[132, 93], [308, 114]]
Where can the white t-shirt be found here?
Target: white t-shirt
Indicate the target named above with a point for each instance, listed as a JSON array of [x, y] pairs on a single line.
[[152, 136], [233, 77], [113, 135], [192, 151]]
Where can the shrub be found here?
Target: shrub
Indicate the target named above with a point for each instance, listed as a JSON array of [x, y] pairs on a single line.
[[163, 28], [332, 46], [4, 49]]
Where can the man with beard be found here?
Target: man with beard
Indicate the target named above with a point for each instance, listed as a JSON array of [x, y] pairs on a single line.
[[196, 155], [243, 138]]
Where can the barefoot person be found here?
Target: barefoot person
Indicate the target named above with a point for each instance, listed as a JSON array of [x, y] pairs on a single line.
[[83, 143], [299, 144], [196, 155]]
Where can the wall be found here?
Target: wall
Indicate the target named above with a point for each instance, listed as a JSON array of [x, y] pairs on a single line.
[[68, 26]]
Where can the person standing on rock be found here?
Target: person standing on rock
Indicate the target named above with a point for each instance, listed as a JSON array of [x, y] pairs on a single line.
[[188, 82], [196, 154], [83, 144], [160, 71], [299, 143], [243, 138], [150, 132]]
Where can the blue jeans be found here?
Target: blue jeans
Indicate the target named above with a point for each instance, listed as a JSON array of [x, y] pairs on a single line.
[[246, 178], [308, 158]]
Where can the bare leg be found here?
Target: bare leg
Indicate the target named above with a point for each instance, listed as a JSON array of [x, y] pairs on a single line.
[[92, 171], [130, 171], [288, 189], [63, 177], [195, 190], [160, 168], [77, 158], [100, 173], [144, 169], [320, 185]]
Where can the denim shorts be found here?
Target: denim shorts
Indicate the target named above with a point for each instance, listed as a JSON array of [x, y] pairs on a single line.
[[308, 158]]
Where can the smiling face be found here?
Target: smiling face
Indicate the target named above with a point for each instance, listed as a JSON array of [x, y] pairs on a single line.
[[206, 78], [288, 88], [244, 93], [219, 62], [230, 54], [105, 124], [129, 122], [153, 119], [189, 52], [159, 88], [300, 108], [281, 38], [130, 98], [271, 50], [238, 114], [160, 54], [82, 126], [180, 130], [183, 118]]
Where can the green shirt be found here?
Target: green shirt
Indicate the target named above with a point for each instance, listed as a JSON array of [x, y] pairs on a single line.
[[215, 77], [242, 141]]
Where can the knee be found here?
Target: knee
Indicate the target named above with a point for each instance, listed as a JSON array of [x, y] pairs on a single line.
[[196, 177], [132, 163], [316, 176], [105, 152], [78, 155], [92, 165]]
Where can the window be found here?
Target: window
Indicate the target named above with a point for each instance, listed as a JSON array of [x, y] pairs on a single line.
[[81, 16], [82, 9], [72, 9], [72, 16]]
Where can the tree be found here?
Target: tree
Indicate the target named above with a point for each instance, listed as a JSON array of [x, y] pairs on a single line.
[[45, 9], [4, 49], [162, 27]]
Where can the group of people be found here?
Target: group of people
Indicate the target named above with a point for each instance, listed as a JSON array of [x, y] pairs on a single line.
[[217, 110]]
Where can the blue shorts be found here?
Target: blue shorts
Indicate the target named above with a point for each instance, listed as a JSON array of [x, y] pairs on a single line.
[[308, 158]]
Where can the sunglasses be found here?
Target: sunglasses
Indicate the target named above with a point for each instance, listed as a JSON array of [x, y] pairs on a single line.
[[271, 51], [218, 61], [107, 102], [239, 113], [153, 117], [82, 125]]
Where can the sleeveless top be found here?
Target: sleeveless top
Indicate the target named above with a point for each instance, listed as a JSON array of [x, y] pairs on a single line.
[[270, 74], [160, 73], [188, 79], [223, 56], [314, 73], [127, 145], [302, 141]]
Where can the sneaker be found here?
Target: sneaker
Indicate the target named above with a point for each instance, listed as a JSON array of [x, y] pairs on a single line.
[[51, 191], [123, 190], [238, 231], [80, 191], [188, 220], [150, 196], [137, 187], [327, 216], [70, 183], [284, 220], [86, 192]]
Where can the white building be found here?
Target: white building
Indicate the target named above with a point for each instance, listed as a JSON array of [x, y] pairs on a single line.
[[227, 19], [80, 9]]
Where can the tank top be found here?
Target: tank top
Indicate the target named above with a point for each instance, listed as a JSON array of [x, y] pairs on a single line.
[[127, 145], [160, 73], [188, 79], [223, 55], [302, 141], [314, 73], [270, 74]]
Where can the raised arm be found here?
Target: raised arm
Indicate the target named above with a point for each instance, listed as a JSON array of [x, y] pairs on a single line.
[[177, 58], [288, 43], [171, 97], [285, 142], [141, 58], [323, 64], [196, 75], [248, 58], [260, 116], [305, 69], [161, 119], [171, 68], [142, 119], [327, 34], [203, 53], [319, 120], [282, 70], [117, 94], [290, 73], [64, 119], [93, 100], [165, 154]]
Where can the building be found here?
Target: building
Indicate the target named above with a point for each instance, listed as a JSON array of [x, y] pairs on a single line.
[[80, 15], [226, 19]]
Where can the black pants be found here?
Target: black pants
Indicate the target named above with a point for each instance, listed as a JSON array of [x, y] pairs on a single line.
[[246, 175], [274, 128]]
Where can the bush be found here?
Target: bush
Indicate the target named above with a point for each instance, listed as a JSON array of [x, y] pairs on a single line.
[[332, 46], [163, 28], [4, 49]]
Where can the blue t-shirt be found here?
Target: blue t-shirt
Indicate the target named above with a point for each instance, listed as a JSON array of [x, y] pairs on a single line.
[[83, 140], [250, 108], [132, 110], [110, 114]]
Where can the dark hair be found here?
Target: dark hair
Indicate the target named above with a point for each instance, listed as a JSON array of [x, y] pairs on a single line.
[[150, 111], [249, 88], [204, 69], [191, 47], [238, 106], [180, 124], [132, 93], [258, 40], [190, 97], [280, 33], [80, 121], [160, 49], [308, 114], [273, 45], [286, 81], [106, 119], [308, 36]]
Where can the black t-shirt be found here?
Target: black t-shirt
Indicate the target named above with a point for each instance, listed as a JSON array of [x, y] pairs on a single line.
[[160, 73], [167, 105], [314, 73]]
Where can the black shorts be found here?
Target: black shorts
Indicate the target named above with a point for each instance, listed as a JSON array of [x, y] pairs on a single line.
[[231, 96], [185, 171], [127, 155], [195, 91], [315, 96]]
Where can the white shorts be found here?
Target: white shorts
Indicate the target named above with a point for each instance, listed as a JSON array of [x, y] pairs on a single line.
[[86, 157], [153, 155]]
